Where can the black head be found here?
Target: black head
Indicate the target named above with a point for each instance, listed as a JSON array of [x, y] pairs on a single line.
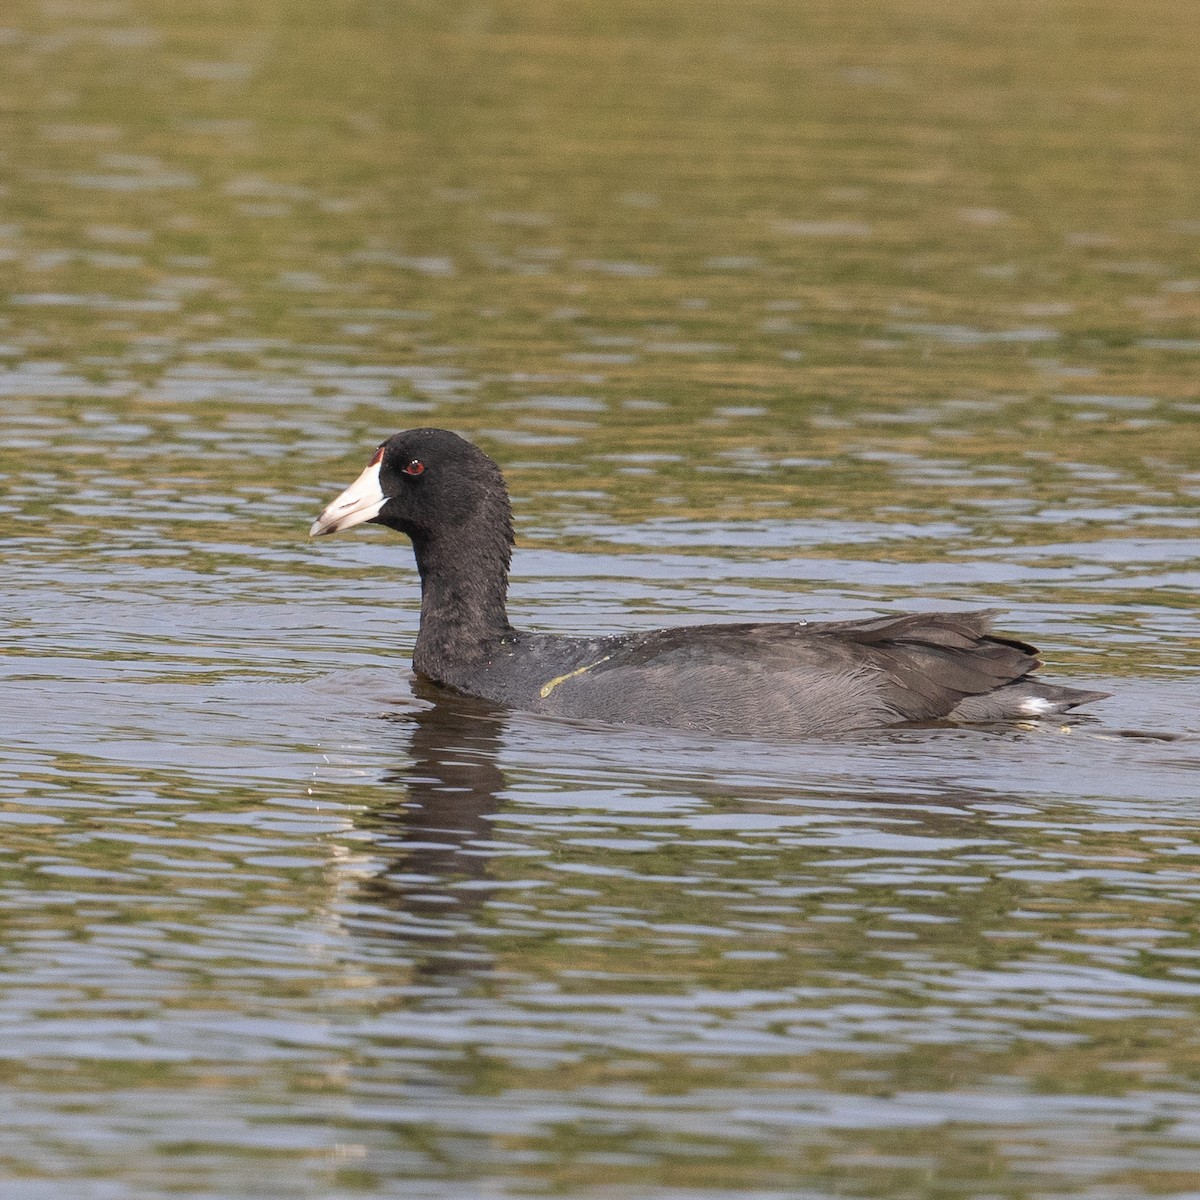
[[424, 483]]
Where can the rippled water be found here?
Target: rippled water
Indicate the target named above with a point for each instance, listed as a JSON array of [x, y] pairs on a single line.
[[767, 310]]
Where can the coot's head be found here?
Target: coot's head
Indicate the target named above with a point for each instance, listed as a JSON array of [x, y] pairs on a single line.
[[424, 482]]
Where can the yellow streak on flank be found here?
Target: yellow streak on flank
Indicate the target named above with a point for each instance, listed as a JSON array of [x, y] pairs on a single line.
[[547, 688]]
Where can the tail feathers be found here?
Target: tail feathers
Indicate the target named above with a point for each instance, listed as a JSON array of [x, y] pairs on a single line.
[[951, 665], [1025, 699]]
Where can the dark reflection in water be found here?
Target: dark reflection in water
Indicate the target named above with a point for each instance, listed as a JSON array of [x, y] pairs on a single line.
[[439, 833]]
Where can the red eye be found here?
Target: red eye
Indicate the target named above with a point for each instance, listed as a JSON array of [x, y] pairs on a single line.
[[415, 467]]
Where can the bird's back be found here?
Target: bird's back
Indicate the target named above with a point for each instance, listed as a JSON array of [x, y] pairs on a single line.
[[798, 680]]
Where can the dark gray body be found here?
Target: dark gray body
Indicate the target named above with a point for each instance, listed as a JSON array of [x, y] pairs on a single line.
[[779, 680]]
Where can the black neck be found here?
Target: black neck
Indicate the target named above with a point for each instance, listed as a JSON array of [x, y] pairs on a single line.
[[464, 588]]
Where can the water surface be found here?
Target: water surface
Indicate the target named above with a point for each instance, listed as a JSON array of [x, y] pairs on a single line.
[[767, 311]]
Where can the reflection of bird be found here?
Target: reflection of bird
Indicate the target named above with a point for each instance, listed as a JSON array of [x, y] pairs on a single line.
[[435, 838], [769, 680]]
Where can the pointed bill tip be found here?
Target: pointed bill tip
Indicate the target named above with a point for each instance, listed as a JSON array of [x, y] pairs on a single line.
[[360, 502]]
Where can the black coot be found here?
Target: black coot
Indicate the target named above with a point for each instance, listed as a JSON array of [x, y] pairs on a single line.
[[777, 680]]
